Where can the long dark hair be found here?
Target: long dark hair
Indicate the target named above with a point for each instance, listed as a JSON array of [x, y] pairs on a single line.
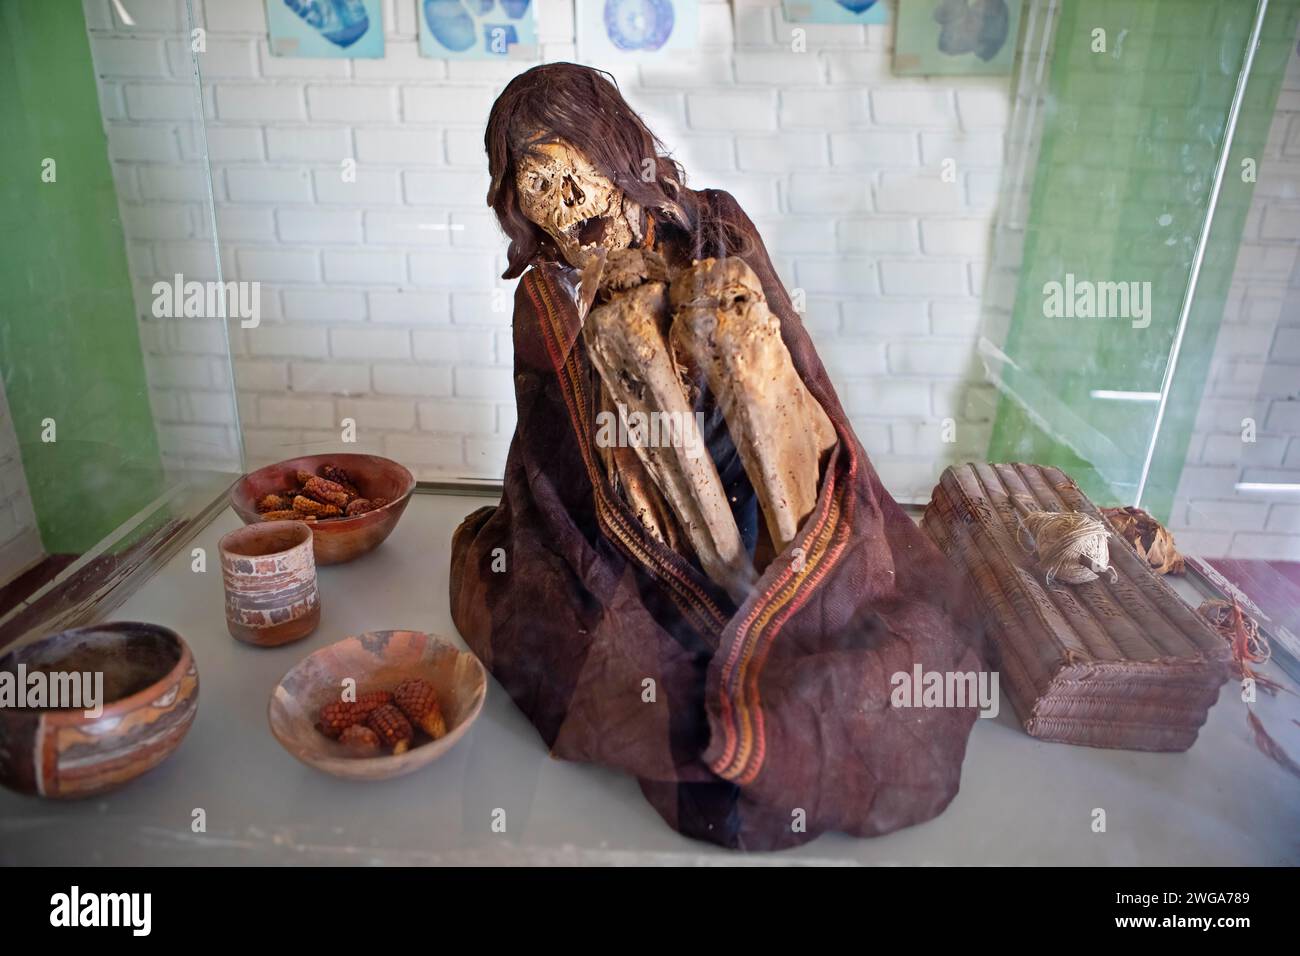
[[584, 107]]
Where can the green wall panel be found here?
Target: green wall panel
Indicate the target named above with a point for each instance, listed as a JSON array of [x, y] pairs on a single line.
[[1130, 139], [69, 342]]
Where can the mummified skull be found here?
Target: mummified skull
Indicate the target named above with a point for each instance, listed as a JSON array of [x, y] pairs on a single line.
[[574, 202]]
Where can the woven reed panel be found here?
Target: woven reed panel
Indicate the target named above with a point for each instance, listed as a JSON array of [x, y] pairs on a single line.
[[1125, 664]]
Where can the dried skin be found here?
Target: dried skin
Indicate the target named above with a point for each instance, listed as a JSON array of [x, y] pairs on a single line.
[[625, 269], [628, 348], [723, 327], [575, 203], [630, 479]]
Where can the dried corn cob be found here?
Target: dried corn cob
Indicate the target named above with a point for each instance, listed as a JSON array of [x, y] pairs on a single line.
[[272, 502], [326, 491], [339, 715], [308, 506], [340, 477], [393, 728], [419, 701], [360, 739], [288, 515]]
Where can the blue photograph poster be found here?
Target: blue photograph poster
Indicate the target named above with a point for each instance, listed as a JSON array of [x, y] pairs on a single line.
[[640, 28], [835, 11], [348, 29], [477, 29]]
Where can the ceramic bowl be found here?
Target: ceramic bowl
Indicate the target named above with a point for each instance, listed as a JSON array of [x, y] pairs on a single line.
[[376, 660], [335, 540], [150, 694]]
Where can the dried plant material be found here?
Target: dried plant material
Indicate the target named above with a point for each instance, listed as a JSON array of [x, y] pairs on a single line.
[[331, 494], [361, 740], [1071, 547], [339, 477], [1152, 541], [1268, 746], [1240, 630], [1125, 664], [394, 730], [337, 716], [722, 326], [626, 343], [309, 506], [273, 502], [419, 702], [326, 492]]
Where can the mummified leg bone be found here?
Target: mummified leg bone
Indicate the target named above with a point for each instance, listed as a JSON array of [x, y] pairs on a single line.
[[630, 479], [626, 342], [722, 326]]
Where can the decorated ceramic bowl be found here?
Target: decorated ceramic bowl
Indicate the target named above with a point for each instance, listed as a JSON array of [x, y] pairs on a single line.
[[376, 660], [335, 540], [93, 708]]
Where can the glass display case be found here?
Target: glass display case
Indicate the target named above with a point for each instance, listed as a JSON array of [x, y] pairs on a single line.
[[119, 424], [259, 266]]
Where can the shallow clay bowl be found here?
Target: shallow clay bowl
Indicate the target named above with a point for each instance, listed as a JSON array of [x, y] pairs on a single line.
[[335, 540], [150, 696], [376, 660]]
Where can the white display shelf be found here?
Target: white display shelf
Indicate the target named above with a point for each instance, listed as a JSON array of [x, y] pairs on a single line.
[[1022, 801]]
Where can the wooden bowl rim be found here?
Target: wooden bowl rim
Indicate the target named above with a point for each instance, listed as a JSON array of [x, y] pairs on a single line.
[[385, 766], [251, 516], [124, 705]]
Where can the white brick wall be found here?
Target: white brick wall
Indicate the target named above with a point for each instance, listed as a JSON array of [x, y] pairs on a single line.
[[1255, 373], [150, 113], [372, 313]]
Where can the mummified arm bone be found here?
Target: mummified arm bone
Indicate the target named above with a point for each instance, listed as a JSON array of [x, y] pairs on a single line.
[[627, 346], [629, 477], [722, 325]]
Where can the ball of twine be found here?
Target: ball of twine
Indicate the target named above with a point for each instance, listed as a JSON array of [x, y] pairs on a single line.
[[1072, 547]]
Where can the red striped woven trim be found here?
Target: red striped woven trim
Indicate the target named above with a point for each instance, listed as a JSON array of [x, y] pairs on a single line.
[[744, 743]]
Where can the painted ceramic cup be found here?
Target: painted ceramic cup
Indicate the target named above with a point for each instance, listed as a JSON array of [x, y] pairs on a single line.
[[269, 572], [147, 695]]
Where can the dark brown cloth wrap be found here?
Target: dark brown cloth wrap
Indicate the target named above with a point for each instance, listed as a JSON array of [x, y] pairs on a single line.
[[771, 722]]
